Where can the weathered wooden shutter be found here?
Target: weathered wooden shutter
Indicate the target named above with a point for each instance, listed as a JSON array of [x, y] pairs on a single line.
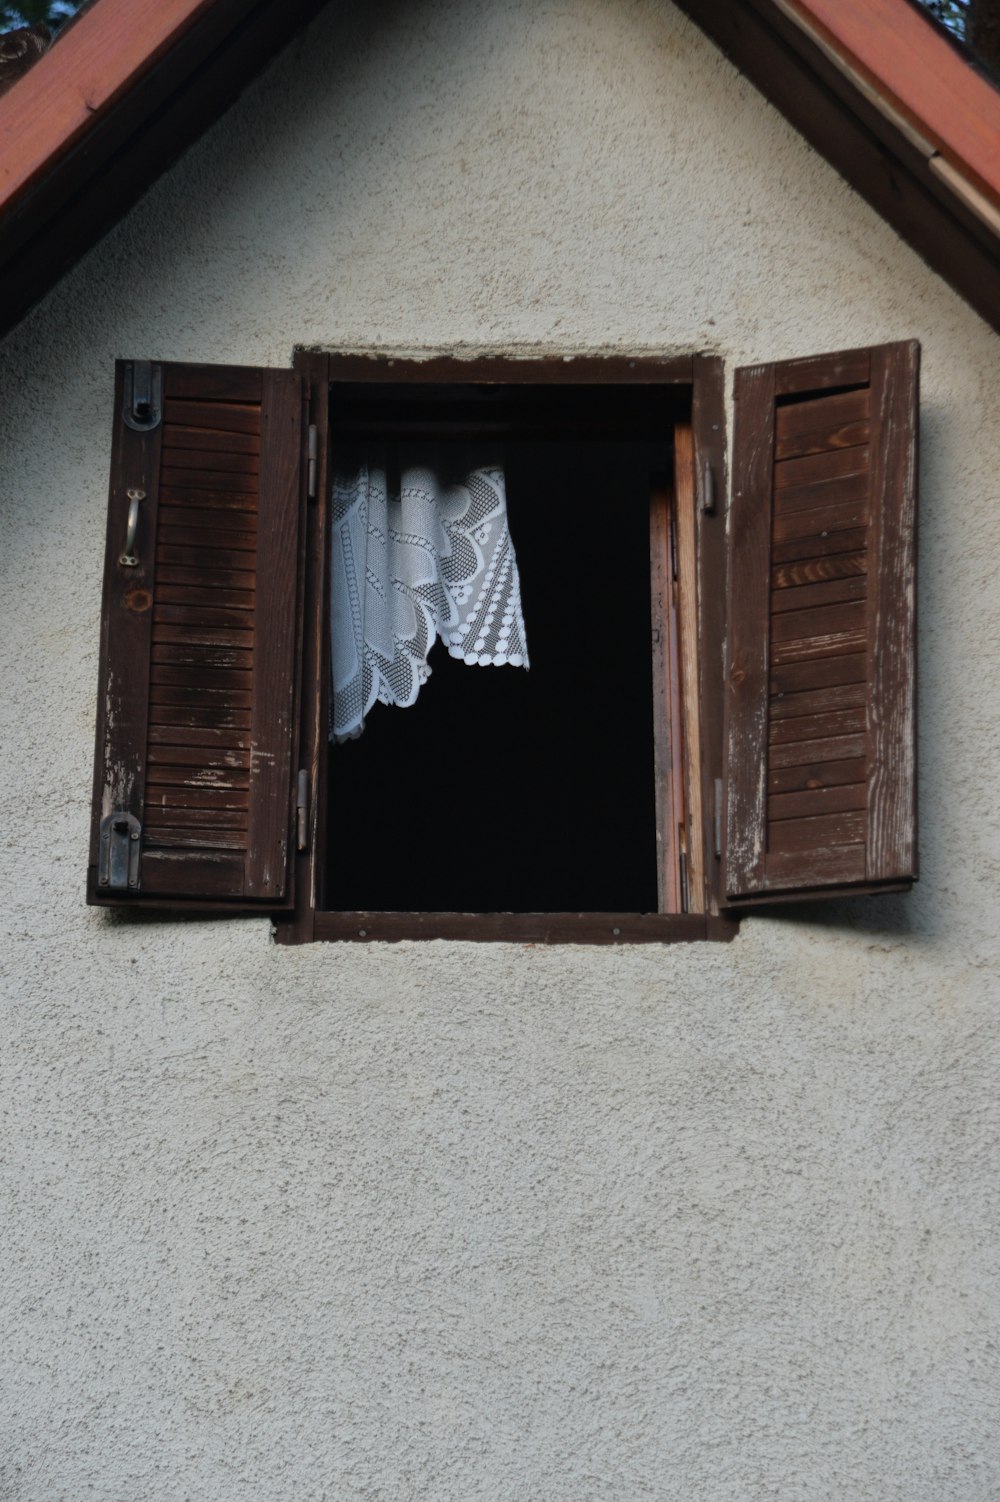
[[821, 656], [195, 735]]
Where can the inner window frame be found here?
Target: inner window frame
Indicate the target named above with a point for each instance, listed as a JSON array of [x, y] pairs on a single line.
[[705, 479]]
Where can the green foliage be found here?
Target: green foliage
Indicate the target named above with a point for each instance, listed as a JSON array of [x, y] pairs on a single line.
[[951, 13], [53, 13]]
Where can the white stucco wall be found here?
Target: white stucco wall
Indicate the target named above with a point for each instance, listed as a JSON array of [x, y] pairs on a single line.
[[445, 1222]]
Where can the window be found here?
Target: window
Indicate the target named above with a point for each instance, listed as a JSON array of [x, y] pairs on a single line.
[[214, 785]]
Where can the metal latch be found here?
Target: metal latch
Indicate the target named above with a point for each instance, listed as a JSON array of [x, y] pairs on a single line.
[[118, 857], [143, 404]]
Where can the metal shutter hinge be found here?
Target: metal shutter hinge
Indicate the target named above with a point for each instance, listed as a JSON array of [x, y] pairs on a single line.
[[718, 817], [313, 460], [707, 488], [142, 408], [302, 812], [118, 854]]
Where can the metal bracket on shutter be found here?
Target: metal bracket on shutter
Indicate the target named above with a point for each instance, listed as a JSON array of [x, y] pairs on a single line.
[[118, 856], [302, 811], [718, 818], [707, 488], [313, 455], [142, 408]]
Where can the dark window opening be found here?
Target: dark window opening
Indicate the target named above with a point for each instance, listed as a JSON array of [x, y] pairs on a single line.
[[505, 790]]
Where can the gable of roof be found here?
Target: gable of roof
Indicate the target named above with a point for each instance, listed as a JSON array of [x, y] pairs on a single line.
[[128, 87], [895, 108], [873, 86]]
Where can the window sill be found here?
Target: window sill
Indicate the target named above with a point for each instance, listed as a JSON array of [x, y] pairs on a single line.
[[511, 928]]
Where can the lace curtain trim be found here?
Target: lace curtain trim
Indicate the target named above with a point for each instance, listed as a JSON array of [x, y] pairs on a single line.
[[427, 557]]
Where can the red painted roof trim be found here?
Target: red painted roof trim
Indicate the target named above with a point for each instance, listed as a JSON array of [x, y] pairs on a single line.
[[919, 74], [110, 48]]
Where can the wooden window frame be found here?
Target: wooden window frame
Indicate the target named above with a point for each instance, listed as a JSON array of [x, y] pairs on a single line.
[[704, 542]]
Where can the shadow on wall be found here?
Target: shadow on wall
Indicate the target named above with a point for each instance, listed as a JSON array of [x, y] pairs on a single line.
[[897, 913]]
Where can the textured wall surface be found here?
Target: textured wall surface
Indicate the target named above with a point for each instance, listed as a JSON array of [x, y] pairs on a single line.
[[446, 1222]]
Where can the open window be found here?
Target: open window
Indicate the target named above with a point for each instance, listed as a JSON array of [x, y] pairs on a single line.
[[592, 799]]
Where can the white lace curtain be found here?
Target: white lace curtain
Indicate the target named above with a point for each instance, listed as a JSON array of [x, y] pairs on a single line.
[[420, 549]]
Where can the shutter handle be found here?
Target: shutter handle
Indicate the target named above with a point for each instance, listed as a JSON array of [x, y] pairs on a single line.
[[129, 559]]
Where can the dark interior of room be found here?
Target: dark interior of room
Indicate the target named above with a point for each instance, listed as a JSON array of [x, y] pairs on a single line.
[[505, 790]]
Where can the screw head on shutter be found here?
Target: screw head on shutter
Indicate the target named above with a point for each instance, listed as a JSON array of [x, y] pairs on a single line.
[[118, 857]]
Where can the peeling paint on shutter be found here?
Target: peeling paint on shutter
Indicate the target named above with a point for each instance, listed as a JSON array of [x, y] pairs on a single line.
[[821, 660], [195, 733]]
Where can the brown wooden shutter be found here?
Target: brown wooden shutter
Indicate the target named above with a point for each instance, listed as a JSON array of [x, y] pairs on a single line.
[[821, 654], [195, 735]]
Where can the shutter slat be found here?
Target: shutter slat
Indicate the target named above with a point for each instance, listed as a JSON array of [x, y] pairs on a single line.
[[798, 677], [174, 573], [809, 596], [198, 756], [222, 839], [817, 726], [819, 548], [231, 384], [209, 736], [817, 701], [159, 798], [205, 594], [816, 801], [823, 467], [811, 775], [824, 830], [205, 499], [209, 657], [182, 534], [219, 480], [209, 694], [210, 774], [816, 521], [217, 440], [216, 716], [201, 615], [183, 634], [218, 559], [201, 514], [193, 675], [824, 644], [826, 413], [212, 417], [830, 748], [201, 460], [810, 495], [786, 576], [820, 724], [201, 776]]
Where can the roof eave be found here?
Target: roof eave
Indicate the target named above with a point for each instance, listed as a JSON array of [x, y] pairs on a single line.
[[106, 110], [937, 183]]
